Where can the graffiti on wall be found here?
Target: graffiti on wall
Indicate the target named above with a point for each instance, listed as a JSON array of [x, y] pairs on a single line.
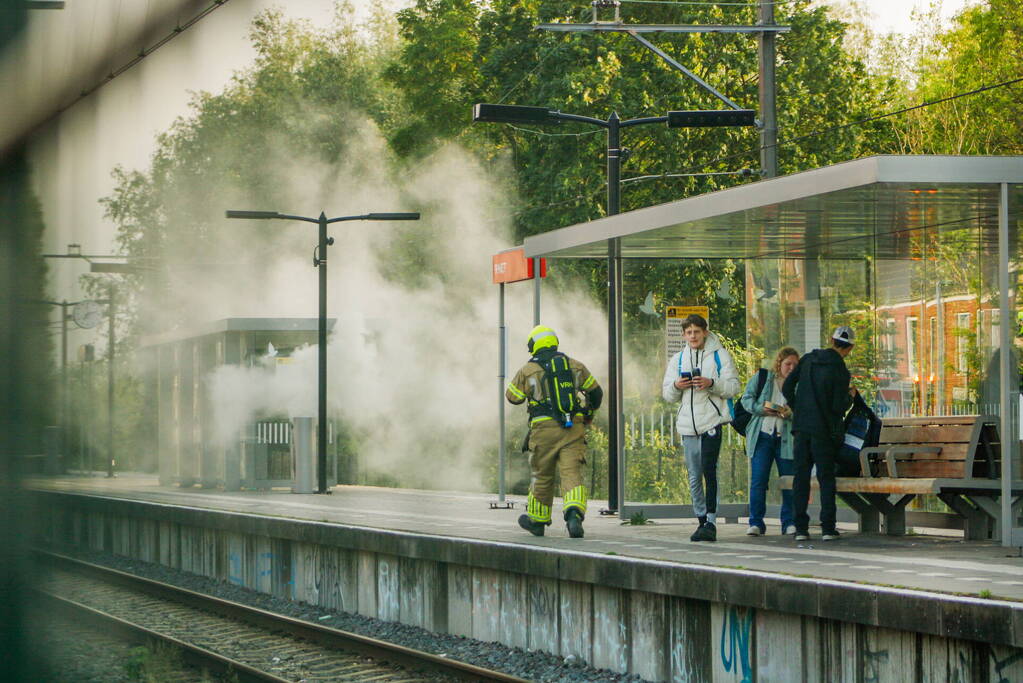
[[736, 628], [873, 661], [1004, 665]]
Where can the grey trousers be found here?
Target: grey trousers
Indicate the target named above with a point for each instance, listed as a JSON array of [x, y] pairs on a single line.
[[702, 462]]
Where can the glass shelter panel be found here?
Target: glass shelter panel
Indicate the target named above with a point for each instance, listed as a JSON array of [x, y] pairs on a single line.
[[655, 471]]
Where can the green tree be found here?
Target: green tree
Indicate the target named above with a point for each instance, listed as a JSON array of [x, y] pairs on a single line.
[[984, 47]]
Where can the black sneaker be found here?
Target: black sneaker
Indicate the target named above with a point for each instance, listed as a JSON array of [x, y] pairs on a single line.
[[698, 534], [709, 532], [831, 535], [535, 528], [802, 535], [574, 522]]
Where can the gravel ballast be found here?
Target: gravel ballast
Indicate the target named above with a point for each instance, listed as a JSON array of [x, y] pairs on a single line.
[[531, 665]]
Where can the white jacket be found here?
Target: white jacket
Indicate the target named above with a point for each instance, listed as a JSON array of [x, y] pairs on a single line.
[[702, 409]]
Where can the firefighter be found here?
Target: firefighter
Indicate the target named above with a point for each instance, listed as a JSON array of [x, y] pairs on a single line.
[[561, 396]]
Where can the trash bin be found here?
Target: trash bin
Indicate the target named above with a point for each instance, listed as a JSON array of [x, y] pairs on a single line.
[[303, 455]]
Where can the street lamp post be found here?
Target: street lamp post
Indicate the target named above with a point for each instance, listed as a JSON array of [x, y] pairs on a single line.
[[505, 113], [64, 410], [74, 251], [320, 261]]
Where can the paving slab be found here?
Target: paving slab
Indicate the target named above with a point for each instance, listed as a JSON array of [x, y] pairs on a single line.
[[923, 561]]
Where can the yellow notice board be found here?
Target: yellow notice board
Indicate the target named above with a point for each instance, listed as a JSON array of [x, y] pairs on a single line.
[[673, 317]]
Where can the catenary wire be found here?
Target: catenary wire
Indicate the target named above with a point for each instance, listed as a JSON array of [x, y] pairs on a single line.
[[555, 135], [522, 80], [727, 157], [841, 126]]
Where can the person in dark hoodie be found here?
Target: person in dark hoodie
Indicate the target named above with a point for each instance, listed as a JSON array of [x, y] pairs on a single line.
[[819, 393]]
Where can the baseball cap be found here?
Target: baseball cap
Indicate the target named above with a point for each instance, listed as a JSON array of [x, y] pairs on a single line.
[[844, 333]]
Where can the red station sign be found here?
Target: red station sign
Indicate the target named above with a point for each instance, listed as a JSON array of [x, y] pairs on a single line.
[[513, 266]]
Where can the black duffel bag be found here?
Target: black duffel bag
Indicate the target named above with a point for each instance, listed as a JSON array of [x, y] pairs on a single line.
[[862, 430]]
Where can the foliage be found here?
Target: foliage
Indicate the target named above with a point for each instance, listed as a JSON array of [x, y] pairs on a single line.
[[151, 665], [984, 47], [638, 519], [306, 85]]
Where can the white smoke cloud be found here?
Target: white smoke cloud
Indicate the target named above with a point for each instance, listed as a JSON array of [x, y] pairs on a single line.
[[412, 370]]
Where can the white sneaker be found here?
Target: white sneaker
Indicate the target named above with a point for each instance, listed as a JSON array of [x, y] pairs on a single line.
[[790, 530], [754, 531]]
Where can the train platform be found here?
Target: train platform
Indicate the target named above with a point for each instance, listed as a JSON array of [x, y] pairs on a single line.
[[919, 562]]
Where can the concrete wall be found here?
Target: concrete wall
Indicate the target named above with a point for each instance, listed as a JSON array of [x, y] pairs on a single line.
[[658, 620]]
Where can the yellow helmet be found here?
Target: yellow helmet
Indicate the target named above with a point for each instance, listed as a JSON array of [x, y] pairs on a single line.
[[541, 337]]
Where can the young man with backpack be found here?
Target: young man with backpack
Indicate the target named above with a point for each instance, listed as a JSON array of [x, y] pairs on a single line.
[[818, 392], [551, 384], [702, 378]]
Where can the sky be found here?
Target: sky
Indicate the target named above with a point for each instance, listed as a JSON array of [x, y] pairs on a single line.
[[896, 16]]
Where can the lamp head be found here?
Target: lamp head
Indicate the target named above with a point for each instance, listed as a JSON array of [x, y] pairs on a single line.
[[712, 118], [253, 214], [393, 216], [509, 113]]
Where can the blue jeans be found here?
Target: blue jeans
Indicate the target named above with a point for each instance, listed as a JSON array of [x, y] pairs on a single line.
[[768, 451]]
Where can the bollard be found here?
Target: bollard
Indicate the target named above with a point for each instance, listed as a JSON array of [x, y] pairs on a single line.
[[303, 455]]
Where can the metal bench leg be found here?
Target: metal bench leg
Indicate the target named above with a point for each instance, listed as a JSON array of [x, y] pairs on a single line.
[[976, 524], [993, 511], [870, 519], [894, 513]]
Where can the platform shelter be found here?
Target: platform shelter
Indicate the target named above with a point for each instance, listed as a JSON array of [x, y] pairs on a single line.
[[182, 362], [919, 254]]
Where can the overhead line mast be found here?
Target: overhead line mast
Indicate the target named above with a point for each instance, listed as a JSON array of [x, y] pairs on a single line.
[[766, 29]]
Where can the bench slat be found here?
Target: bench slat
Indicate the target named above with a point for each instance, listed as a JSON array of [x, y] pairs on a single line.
[[949, 451], [927, 468], [933, 420], [926, 434], [918, 486]]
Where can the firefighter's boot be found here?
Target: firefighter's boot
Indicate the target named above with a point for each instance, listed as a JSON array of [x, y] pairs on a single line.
[[574, 522], [535, 528]]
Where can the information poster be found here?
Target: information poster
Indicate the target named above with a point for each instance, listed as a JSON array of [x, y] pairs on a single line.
[[673, 316]]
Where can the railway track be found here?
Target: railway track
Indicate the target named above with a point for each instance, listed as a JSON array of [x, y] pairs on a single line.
[[233, 639]]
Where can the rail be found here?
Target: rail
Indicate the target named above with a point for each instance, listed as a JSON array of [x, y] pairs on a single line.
[[279, 625]]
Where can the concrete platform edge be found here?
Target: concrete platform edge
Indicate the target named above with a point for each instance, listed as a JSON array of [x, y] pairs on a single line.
[[938, 614]]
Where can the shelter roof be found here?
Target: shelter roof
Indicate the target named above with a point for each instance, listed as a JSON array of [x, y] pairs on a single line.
[[887, 206], [258, 325]]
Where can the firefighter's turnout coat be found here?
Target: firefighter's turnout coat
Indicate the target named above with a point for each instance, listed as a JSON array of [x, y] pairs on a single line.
[[551, 444]]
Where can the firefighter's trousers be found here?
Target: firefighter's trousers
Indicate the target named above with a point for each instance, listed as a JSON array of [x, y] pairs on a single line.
[[550, 446]]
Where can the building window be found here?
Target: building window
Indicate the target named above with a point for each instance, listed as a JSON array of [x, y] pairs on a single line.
[[912, 339], [989, 319], [963, 327]]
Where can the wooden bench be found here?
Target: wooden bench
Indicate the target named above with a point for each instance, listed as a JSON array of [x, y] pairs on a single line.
[[956, 457]]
